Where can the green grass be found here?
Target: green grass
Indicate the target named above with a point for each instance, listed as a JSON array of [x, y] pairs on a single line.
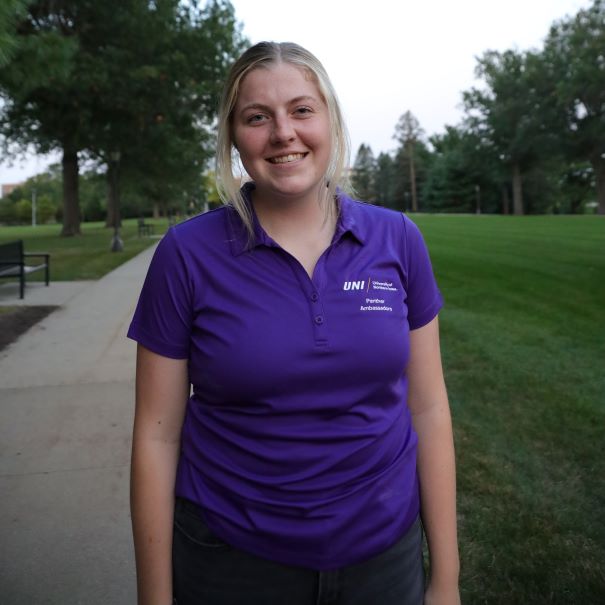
[[523, 338], [87, 256]]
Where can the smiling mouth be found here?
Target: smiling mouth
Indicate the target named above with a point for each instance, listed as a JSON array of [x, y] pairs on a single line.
[[285, 159]]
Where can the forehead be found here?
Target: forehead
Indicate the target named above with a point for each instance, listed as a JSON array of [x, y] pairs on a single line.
[[275, 83]]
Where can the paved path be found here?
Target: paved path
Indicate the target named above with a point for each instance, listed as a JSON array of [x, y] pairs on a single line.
[[36, 293], [66, 406]]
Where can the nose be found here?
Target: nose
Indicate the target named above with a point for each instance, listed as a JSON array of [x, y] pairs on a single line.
[[283, 130]]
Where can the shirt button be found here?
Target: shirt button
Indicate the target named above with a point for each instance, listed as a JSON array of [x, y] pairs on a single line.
[[319, 320], [314, 297]]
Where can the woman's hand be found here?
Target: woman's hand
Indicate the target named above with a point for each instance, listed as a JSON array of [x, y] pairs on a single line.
[[442, 595]]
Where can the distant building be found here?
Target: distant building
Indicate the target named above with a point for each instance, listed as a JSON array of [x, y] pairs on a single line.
[[9, 188]]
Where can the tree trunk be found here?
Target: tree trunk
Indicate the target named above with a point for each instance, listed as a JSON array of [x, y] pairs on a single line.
[[71, 201], [413, 180], [156, 210], [505, 200], [598, 165], [517, 190]]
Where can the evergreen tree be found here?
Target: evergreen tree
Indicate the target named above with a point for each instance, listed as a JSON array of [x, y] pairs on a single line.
[[10, 13], [384, 182], [364, 174], [408, 134], [464, 175]]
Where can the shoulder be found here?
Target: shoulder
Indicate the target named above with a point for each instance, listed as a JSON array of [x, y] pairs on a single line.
[[190, 242], [375, 220], [213, 230], [369, 210], [208, 224]]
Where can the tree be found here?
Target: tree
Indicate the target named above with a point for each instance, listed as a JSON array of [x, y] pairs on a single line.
[[364, 174], [173, 79], [506, 113], [23, 211], [10, 12], [44, 104], [384, 182], [574, 58], [45, 209], [8, 215], [407, 134], [130, 76], [464, 175]]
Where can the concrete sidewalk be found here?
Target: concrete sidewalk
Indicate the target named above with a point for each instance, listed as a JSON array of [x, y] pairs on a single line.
[[57, 293], [66, 407]]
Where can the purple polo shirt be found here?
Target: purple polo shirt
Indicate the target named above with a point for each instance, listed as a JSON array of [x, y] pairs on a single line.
[[297, 442]]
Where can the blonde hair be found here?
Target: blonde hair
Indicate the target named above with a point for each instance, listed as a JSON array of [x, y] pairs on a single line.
[[265, 54]]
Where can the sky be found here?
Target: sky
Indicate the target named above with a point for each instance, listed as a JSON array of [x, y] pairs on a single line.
[[388, 56]]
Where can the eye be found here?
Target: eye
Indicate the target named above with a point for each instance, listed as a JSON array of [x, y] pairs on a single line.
[[256, 118], [303, 110]]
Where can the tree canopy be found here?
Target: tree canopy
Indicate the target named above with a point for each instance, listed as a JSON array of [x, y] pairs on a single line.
[[129, 77], [532, 138]]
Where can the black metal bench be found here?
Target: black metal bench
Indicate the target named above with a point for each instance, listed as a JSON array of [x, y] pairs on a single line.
[[13, 259], [145, 229]]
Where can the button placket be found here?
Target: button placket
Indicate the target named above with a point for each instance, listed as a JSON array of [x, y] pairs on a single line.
[[311, 287], [319, 319]]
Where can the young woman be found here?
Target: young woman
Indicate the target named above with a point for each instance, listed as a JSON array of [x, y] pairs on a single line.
[[317, 433]]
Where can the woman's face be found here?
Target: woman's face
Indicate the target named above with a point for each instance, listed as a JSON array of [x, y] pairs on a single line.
[[281, 127]]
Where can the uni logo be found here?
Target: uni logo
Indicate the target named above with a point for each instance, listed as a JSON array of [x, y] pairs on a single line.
[[354, 285]]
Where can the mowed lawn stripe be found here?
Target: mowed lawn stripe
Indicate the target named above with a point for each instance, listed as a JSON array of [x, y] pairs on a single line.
[[523, 337]]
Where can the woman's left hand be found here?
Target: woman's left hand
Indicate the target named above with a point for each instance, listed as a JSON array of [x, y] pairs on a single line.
[[442, 595]]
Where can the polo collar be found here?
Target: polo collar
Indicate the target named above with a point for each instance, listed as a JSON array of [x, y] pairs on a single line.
[[348, 222], [350, 219]]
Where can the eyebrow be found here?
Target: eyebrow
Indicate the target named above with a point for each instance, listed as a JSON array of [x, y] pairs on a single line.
[[290, 102]]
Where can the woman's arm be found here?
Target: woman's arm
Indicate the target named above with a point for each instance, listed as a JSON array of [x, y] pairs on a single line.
[[162, 389], [429, 406]]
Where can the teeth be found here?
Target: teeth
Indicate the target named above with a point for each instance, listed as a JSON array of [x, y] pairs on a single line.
[[287, 158]]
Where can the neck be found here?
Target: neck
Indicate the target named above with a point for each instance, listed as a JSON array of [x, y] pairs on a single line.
[[305, 216], [304, 230]]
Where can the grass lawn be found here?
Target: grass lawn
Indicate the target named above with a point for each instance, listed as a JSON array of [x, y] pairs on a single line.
[[523, 338], [87, 256]]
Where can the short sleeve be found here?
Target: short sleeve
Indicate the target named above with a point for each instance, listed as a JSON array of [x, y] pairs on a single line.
[[424, 299], [163, 317]]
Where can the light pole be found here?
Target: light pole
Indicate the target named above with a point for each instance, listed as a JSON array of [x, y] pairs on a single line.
[[116, 243], [34, 206]]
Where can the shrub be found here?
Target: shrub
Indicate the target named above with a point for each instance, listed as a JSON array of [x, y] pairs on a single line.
[[8, 215], [45, 209], [23, 211]]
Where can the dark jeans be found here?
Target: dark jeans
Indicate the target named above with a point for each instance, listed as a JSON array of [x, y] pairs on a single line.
[[206, 571]]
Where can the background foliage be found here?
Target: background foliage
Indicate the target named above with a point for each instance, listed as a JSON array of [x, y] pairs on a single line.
[[129, 87], [532, 139]]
